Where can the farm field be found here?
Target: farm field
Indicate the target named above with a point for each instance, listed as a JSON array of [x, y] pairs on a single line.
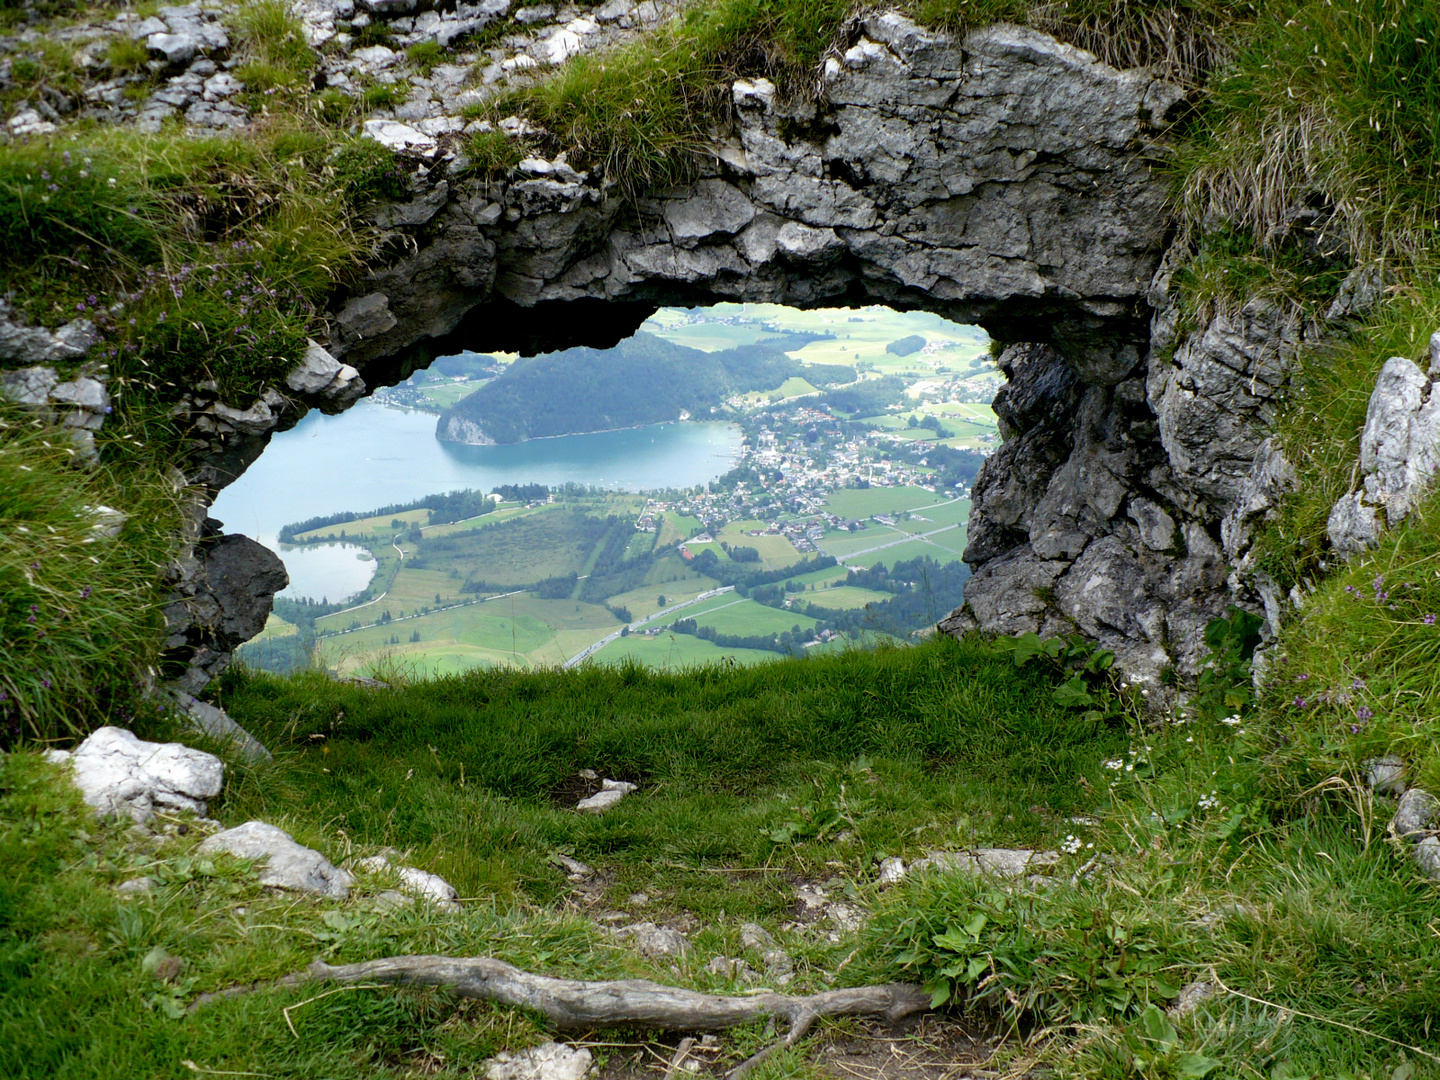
[[844, 597], [669, 652], [641, 602], [521, 630], [947, 547], [746, 618], [862, 502]]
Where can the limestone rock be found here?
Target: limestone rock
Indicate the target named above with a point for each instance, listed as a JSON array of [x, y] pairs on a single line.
[[1001, 862], [1427, 857], [1416, 815], [656, 942], [1399, 455], [550, 1061], [287, 865], [891, 871], [1386, 775], [118, 773], [420, 883], [610, 793]]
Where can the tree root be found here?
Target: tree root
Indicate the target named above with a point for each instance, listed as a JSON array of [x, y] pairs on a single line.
[[575, 1004]]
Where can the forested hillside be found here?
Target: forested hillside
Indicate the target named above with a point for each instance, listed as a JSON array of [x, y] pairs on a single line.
[[644, 380]]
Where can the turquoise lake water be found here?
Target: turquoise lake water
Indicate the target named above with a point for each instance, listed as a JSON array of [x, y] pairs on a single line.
[[374, 455]]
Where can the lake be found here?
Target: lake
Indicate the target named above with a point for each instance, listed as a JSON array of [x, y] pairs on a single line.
[[373, 455]]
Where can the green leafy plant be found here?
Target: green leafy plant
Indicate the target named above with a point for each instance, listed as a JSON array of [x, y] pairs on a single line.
[[1084, 671], [1064, 955], [1154, 1049], [840, 799], [1223, 686]]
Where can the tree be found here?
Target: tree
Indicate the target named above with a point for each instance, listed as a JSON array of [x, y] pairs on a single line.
[[660, 600]]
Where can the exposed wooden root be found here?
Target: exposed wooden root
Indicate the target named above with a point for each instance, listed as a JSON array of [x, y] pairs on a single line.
[[575, 1004]]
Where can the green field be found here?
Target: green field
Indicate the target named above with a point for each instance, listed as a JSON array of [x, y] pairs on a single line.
[[844, 597], [947, 547], [378, 527], [746, 618], [776, 552], [862, 502], [522, 630], [669, 652]]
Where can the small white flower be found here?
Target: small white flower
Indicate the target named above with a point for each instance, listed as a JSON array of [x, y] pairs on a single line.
[[1070, 845], [1209, 802], [1190, 738], [1231, 721], [1130, 767], [1115, 763], [111, 181]]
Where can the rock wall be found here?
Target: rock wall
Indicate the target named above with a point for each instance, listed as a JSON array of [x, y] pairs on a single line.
[[999, 179]]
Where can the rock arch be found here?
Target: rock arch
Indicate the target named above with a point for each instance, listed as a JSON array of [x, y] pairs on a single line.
[[1002, 179]]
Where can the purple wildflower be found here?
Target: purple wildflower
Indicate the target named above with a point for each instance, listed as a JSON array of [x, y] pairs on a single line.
[[1364, 715], [1299, 703], [1429, 620]]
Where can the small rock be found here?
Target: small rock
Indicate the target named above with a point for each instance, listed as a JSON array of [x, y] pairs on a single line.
[[1427, 857], [574, 868], [288, 865], [847, 917], [654, 941], [610, 793], [638, 899], [754, 936], [551, 1061], [726, 968], [535, 14], [1386, 775], [400, 137], [174, 49], [136, 885], [1416, 814], [891, 871], [779, 968], [588, 774], [421, 883], [391, 899]]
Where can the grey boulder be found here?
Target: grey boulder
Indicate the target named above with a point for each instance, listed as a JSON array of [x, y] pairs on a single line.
[[288, 865]]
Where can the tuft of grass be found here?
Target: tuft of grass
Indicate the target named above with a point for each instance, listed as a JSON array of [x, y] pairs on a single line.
[[1186, 39], [125, 54], [80, 624], [426, 56], [385, 95], [493, 152], [273, 48], [1328, 104]]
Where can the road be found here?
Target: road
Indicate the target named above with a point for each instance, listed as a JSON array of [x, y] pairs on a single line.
[[590, 650]]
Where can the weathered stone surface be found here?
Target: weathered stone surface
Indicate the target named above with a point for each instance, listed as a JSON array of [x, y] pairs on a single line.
[[1399, 455], [1416, 815], [287, 865], [610, 793], [118, 773], [420, 883], [1001, 862], [550, 1061], [654, 941], [1386, 775]]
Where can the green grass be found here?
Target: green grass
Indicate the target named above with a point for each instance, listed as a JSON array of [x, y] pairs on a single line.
[[722, 746], [79, 612]]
